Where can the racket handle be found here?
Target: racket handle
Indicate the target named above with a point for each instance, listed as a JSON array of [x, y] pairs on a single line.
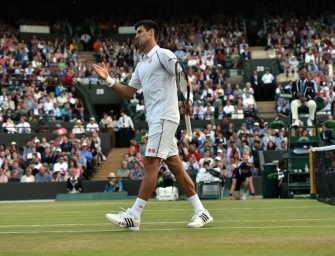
[[188, 127]]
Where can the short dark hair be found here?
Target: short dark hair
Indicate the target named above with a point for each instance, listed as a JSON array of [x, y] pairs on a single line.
[[148, 24]]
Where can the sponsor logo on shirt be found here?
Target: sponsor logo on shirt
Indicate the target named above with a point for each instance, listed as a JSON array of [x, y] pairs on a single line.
[[150, 61], [151, 150]]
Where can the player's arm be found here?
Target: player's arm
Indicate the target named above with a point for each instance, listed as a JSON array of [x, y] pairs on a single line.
[[124, 91], [251, 185], [232, 188]]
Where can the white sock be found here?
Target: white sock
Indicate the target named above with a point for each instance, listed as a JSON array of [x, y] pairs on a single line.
[[244, 194], [196, 203], [138, 207]]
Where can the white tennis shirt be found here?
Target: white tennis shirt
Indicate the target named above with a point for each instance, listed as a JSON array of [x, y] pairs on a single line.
[[155, 73]]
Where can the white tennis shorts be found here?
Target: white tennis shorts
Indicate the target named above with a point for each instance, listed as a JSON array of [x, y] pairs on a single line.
[[162, 142]]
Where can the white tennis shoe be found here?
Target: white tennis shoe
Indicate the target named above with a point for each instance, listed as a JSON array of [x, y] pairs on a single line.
[[200, 218], [124, 219]]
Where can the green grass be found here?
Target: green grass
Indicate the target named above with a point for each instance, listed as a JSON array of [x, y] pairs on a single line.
[[259, 227]]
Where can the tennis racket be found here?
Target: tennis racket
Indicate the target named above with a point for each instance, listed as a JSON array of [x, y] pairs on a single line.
[[185, 90]]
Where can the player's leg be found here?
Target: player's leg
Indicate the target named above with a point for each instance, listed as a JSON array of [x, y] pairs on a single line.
[[245, 186], [155, 151], [201, 216], [183, 179]]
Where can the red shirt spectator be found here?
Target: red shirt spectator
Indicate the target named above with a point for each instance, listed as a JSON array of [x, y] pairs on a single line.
[[192, 151]]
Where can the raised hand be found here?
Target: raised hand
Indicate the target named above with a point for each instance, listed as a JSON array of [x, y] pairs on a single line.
[[101, 70]]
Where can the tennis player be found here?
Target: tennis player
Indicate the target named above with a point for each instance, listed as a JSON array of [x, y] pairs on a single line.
[[155, 73]]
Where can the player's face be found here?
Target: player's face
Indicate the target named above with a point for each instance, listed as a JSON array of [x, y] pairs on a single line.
[[143, 36]]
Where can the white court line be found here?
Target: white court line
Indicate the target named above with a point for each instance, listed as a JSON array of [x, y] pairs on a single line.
[[158, 222], [159, 229], [179, 210]]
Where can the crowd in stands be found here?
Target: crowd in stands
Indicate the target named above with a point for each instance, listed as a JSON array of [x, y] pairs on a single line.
[[34, 74]]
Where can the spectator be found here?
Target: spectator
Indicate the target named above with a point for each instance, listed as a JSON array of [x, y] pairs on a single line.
[[16, 168], [123, 173], [57, 176], [61, 165], [73, 183], [9, 126], [113, 184], [3, 176], [13, 178], [42, 175], [137, 172], [78, 127], [107, 123], [92, 126], [28, 177], [23, 126]]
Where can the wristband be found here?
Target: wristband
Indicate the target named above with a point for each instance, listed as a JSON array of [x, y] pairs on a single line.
[[230, 194], [253, 194], [109, 82], [191, 97]]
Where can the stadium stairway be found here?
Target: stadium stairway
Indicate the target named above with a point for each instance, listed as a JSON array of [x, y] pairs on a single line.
[[266, 109], [111, 164], [258, 52], [87, 57]]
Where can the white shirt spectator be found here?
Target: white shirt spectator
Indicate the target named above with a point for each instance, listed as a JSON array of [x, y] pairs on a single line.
[[9, 126], [125, 122], [92, 126], [228, 109], [23, 127], [62, 167], [267, 78], [78, 129]]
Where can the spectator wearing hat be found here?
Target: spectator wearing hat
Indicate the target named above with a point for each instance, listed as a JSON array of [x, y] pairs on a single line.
[[57, 175], [126, 127], [92, 125], [78, 128], [255, 128], [241, 178], [113, 184]]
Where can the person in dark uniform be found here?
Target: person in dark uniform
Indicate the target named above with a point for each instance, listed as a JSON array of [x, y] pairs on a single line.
[[242, 176], [257, 85]]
